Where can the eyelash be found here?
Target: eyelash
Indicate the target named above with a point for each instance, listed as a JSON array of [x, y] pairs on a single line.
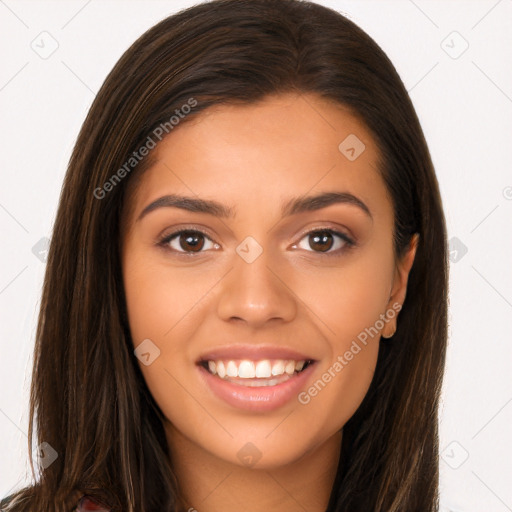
[[348, 242]]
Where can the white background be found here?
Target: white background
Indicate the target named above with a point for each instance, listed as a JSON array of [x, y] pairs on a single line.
[[465, 107]]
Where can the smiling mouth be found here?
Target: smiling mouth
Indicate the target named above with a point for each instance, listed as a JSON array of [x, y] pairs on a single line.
[[264, 372]]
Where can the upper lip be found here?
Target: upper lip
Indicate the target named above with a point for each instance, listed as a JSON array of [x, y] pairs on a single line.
[[253, 353]]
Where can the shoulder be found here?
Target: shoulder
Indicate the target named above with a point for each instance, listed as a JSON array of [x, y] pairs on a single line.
[[20, 500], [5, 501], [14, 502], [87, 504]]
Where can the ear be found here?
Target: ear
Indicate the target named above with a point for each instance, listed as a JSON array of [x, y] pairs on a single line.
[[399, 285]]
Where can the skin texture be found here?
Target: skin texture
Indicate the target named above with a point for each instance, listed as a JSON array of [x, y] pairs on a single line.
[[253, 159]]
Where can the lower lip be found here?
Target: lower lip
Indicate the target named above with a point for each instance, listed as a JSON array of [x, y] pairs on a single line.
[[261, 399]]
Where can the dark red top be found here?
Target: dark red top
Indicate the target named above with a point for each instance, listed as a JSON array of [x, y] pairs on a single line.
[[87, 504]]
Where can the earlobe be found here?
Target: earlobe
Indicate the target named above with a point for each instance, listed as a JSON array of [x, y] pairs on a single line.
[[390, 329], [399, 288]]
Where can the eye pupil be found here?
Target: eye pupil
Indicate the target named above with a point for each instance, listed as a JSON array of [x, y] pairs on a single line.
[[191, 241], [319, 239]]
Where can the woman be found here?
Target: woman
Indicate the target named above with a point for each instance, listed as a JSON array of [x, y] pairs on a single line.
[[245, 303]]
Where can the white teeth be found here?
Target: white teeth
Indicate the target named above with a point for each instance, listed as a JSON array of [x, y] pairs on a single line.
[[247, 369], [231, 369], [263, 369], [278, 368], [290, 367], [221, 370]]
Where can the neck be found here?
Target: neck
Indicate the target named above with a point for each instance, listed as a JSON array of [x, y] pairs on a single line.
[[210, 484]]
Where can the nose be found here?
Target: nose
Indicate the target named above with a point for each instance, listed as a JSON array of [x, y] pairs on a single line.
[[256, 293]]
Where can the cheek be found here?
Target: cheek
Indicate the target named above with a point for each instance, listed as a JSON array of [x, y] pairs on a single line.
[[158, 299], [347, 299], [162, 305], [349, 302]]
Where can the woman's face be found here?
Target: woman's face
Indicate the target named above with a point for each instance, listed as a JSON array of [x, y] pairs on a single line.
[[265, 280]]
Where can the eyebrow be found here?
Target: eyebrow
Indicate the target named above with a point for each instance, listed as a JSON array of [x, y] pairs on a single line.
[[292, 207]]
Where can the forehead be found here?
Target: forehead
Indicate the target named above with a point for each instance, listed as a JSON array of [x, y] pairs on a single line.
[[256, 155]]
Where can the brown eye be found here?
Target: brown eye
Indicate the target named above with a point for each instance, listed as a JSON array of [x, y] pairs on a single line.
[[191, 241], [188, 241], [320, 241], [325, 241]]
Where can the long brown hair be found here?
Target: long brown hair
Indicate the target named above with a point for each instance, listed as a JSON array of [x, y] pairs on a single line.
[[88, 397]]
